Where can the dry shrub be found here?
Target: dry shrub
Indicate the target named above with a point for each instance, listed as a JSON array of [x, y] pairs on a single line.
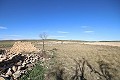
[[81, 71], [56, 73], [103, 74]]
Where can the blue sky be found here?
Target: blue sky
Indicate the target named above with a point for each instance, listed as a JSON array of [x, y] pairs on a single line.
[[60, 19]]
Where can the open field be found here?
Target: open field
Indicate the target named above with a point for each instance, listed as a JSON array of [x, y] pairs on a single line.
[[104, 43], [92, 53], [6, 44], [109, 52]]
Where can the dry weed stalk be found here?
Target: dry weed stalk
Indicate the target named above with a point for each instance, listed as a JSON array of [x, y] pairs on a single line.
[[80, 70]]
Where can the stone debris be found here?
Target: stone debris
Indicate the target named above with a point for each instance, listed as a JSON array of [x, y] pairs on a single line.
[[19, 47], [16, 61], [14, 68], [2, 51], [9, 72], [2, 78], [15, 65], [17, 74]]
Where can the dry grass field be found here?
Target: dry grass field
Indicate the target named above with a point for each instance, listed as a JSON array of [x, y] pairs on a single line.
[[104, 43], [67, 53]]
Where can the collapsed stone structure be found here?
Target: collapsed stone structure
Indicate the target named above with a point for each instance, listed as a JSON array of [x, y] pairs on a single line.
[[13, 67], [19, 47], [13, 63]]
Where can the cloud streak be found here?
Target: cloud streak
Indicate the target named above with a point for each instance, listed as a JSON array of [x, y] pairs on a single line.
[[62, 32], [88, 31], [56, 36], [84, 26], [12, 35], [1, 27]]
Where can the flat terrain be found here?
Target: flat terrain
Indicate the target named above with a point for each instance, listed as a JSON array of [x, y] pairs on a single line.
[[104, 43], [109, 52]]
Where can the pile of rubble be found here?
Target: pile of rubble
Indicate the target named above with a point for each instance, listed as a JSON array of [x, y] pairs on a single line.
[[14, 65], [19, 47]]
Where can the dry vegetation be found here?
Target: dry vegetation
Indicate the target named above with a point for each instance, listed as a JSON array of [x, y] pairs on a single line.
[[105, 43], [96, 55], [73, 59]]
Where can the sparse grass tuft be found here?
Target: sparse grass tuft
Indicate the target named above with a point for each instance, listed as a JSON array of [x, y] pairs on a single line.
[[37, 73]]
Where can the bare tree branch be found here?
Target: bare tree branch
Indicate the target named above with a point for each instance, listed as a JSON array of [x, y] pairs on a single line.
[[43, 36]]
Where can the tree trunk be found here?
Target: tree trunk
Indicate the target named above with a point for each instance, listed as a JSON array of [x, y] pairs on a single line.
[[43, 45]]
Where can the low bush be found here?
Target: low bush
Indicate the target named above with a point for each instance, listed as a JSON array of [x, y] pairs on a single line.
[[37, 73]]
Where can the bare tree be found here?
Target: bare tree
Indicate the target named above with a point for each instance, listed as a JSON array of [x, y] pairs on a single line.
[[43, 36]]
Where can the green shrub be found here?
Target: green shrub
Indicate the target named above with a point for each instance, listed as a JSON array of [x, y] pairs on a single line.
[[37, 73]]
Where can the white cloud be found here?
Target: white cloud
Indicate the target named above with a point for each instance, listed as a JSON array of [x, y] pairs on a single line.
[[62, 32], [56, 36], [84, 26], [1, 27], [10, 39], [12, 35], [88, 31]]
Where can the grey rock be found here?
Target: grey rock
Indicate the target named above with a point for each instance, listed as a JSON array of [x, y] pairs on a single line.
[[30, 65], [17, 74], [9, 72], [14, 68], [19, 67], [2, 78], [19, 63]]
